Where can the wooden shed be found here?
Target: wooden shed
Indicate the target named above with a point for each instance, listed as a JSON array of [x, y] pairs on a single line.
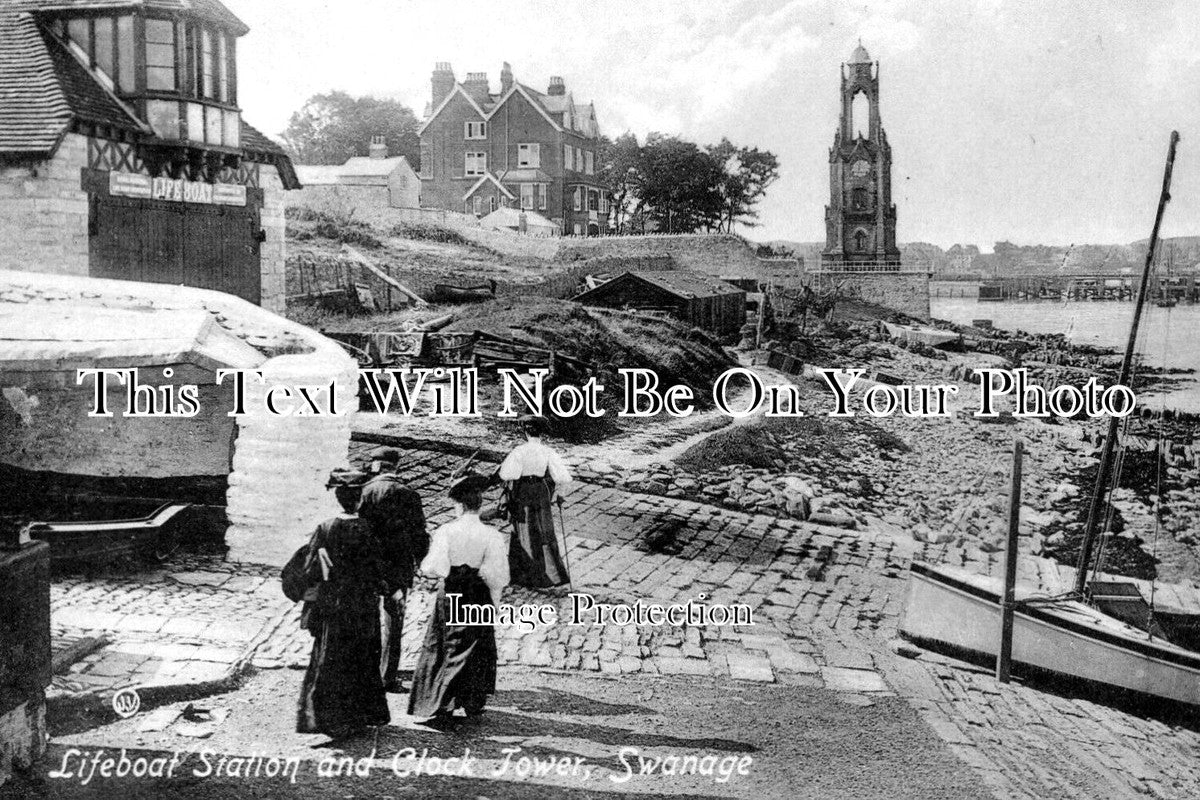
[[693, 297]]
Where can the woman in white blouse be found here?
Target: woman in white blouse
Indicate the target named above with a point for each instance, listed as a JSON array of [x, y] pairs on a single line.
[[457, 666], [535, 475]]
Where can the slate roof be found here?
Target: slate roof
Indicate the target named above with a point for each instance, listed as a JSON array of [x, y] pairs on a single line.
[[36, 110], [687, 283], [214, 10], [367, 167]]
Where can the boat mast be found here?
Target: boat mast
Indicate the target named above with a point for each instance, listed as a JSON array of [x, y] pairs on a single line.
[[1109, 448]]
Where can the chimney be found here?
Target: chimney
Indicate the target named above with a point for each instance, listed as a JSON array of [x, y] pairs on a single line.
[[443, 82], [557, 87], [476, 85], [378, 147], [506, 78]]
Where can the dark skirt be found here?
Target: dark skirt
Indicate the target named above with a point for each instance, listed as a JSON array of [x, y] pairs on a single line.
[[342, 689], [457, 667], [533, 555]]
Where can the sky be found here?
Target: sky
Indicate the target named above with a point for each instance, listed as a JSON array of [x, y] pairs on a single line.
[[1029, 121]]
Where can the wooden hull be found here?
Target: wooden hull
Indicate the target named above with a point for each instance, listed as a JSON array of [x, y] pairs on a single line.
[[952, 608]]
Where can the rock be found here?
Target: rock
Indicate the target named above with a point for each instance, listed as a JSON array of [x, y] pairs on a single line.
[[902, 648], [833, 518], [759, 486]]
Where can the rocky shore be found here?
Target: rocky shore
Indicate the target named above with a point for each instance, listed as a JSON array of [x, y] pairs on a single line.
[[946, 479]]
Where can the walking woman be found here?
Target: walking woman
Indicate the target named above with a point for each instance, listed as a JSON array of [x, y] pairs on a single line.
[[535, 475], [457, 666], [342, 692]]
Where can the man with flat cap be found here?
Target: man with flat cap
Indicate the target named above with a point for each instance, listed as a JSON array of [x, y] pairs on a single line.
[[395, 514]]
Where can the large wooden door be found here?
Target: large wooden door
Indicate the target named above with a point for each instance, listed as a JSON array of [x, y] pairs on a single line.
[[211, 247]]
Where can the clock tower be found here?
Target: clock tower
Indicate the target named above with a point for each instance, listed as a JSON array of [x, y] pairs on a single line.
[[860, 220]]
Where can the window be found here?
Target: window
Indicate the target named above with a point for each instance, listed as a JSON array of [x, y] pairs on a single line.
[[859, 201], [104, 45], [478, 205], [568, 157], [603, 203], [80, 32], [529, 155], [160, 55], [579, 198], [476, 164], [593, 200], [163, 116], [125, 73], [860, 240], [589, 163], [474, 130], [222, 68], [533, 196], [493, 202], [578, 160], [207, 65]]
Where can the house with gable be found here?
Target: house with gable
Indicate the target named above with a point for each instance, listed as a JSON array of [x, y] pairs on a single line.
[[519, 148], [124, 153]]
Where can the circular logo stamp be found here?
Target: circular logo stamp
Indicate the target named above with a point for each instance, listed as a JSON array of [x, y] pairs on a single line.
[[126, 702]]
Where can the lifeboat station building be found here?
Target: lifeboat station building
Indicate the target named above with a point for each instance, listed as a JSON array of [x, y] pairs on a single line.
[[123, 151]]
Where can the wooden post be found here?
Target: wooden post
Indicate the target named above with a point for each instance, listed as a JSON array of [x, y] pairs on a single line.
[[1008, 597]]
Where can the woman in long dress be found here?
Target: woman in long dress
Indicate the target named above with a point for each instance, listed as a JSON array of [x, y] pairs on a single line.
[[457, 666], [342, 692], [535, 475]]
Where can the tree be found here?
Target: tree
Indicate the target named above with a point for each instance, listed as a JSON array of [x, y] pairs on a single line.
[[620, 171], [748, 172], [680, 185], [333, 127]]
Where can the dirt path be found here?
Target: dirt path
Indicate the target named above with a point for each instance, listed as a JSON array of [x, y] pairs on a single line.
[[792, 742]]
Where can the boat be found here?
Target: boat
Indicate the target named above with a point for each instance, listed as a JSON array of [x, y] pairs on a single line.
[[916, 334], [1085, 634], [951, 609], [157, 534], [449, 293]]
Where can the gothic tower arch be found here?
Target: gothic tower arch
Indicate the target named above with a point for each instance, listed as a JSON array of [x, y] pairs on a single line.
[[860, 220]]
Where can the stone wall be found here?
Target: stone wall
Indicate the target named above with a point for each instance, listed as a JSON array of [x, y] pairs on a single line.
[[44, 426], [907, 292], [44, 212], [720, 255], [273, 251]]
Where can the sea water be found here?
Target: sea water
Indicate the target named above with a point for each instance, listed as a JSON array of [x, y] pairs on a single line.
[[1169, 337]]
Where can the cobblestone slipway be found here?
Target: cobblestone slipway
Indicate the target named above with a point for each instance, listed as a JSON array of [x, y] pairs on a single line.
[[197, 625]]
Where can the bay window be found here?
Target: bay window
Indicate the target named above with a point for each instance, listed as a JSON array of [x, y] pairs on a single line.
[[160, 55], [533, 196]]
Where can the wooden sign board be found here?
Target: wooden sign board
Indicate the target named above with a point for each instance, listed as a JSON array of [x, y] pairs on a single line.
[[130, 184]]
